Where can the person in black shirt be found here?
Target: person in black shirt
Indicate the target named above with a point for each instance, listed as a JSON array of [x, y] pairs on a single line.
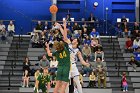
[[39, 26]]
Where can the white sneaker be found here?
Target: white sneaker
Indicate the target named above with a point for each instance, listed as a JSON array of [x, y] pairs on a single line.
[[123, 90], [27, 86], [134, 70], [23, 86], [84, 75], [126, 90]]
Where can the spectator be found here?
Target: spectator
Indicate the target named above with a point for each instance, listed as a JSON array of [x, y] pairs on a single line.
[[11, 28], [135, 33], [35, 41], [3, 35], [86, 52], [133, 62], [70, 27], [128, 45], [68, 17], [42, 39], [92, 18], [123, 19], [125, 30], [84, 33], [86, 70], [44, 63], [92, 80], [53, 65], [101, 78], [99, 65], [2, 26], [118, 30], [136, 26], [39, 26], [26, 78], [137, 55], [94, 33], [99, 47], [26, 65], [94, 44], [136, 43], [76, 26], [99, 54], [87, 40], [124, 82], [46, 27]]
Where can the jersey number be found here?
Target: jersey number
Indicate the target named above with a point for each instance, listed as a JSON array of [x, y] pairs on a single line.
[[62, 55]]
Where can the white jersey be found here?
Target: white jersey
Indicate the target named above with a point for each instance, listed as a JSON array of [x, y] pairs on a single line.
[[73, 54], [73, 59]]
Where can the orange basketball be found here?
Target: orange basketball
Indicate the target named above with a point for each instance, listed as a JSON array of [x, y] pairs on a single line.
[[53, 9]]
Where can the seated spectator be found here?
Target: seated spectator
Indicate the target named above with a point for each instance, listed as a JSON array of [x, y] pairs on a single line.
[[86, 70], [134, 63], [3, 35], [99, 54], [87, 40], [99, 47], [136, 43], [125, 30], [137, 55], [11, 28], [94, 44], [92, 18], [76, 26], [118, 30], [26, 79], [42, 39], [53, 65], [123, 19], [26, 65], [135, 33], [86, 50], [84, 33], [99, 65], [70, 27], [44, 62], [35, 41], [94, 33], [2, 26], [68, 17], [101, 78], [39, 26], [128, 45], [100, 69], [46, 26], [36, 74], [136, 26], [92, 80]]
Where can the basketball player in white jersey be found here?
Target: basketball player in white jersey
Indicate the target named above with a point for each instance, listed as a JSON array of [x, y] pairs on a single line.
[[74, 55]]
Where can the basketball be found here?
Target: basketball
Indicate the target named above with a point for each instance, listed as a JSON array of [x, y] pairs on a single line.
[[53, 9]]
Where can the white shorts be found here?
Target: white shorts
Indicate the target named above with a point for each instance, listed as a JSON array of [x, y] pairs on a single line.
[[74, 70]]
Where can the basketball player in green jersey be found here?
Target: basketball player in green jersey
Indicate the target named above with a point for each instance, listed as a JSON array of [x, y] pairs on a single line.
[[62, 55], [43, 82]]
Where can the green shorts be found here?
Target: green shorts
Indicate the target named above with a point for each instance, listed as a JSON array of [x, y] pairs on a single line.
[[63, 73]]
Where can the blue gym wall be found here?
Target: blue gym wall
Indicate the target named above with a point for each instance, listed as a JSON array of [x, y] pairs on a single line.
[[23, 11]]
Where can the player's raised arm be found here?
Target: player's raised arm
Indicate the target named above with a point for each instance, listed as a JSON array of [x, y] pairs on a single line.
[[82, 60], [48, 49]]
